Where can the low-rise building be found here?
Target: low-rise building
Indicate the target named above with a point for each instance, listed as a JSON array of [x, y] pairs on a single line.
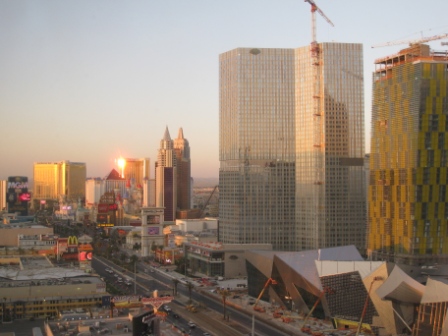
[[197, 225], [218, 259], [32, 287], [9, 233]]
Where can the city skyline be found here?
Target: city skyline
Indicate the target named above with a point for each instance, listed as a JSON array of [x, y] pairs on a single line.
[[91, 82]]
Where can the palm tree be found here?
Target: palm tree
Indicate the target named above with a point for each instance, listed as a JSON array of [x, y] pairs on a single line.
[[175, 283], [133, 259], [224, 294], [190, 287], [123, 256]]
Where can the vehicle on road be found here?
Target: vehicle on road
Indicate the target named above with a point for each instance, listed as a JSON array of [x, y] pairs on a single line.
[[191, 324], [167, 308], [108, 270]]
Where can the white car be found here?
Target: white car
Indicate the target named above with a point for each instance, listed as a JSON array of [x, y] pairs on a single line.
[[191, 324], [167, 308], [108, 270]]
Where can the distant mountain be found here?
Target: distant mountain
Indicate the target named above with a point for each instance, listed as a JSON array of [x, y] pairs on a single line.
[[205, 182]]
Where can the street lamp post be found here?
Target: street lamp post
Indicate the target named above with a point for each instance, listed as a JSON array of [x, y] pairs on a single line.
[[135, 277]]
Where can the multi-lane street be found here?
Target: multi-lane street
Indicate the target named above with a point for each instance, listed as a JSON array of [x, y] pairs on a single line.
[[150, 279]]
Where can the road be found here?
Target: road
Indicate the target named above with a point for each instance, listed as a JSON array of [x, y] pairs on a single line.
[[161, 280]]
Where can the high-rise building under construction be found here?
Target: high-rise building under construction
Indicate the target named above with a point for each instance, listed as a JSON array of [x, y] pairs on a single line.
[[292, 146], [408, 199]]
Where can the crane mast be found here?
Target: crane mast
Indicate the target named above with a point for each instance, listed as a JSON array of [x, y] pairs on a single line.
[[315, 9], [318, 120]]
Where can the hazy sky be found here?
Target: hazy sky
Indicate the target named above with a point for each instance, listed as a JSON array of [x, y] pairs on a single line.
[[90, 80]]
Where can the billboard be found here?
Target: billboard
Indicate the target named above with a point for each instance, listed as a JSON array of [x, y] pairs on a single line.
[[153, 231], [126, 301], [105, 208], [17, 195]]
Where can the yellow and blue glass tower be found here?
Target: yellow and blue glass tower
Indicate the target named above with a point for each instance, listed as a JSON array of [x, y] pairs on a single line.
[[408, 204]]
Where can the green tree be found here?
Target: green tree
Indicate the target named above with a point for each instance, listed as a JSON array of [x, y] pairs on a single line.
[[181, 265], [123, 256], [153, 246]]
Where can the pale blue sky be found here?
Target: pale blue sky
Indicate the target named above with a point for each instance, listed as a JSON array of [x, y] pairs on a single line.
[[88, 80]]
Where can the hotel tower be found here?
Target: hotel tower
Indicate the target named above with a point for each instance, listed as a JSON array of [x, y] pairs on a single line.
[[183, 164], [408, 198], [292, 147], [53, 180], [166, 178]]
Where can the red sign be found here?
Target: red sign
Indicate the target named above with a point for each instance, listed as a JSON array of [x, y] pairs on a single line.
[[85, 255], [157, 301], [103, 208], [25, 197]]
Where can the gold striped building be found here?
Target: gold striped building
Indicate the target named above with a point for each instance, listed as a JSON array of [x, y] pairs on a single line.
[[408, 204]]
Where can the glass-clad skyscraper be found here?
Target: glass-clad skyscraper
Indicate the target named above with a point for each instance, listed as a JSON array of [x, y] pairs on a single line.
[[291, 146], [408, 204]]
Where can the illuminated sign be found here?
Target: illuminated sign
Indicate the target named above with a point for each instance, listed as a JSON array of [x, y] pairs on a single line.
[[17, 196], [104, 207], [18, 185], [25, 197], [153, 230], [126, 301], [157, 301], [105, 225], [72, 241], [85, 256]]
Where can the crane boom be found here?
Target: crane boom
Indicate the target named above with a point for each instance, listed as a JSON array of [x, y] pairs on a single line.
[[411, 42], [314, 9]]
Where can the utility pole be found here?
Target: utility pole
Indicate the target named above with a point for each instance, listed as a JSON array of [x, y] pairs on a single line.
[[135, 277]]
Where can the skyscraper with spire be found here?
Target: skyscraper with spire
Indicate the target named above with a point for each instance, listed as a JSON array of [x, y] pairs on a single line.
[[166, 189], [183, 165]]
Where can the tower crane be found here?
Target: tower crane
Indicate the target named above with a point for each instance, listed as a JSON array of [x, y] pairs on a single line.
[[318, 113], [412, 42], [315, 9]]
